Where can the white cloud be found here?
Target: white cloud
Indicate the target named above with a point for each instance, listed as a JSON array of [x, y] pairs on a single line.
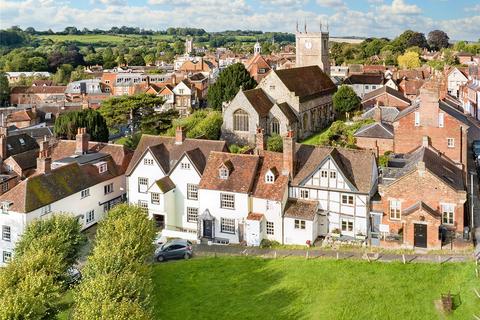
[[331, 3], [113, 2], [475, 8], [400, 7]]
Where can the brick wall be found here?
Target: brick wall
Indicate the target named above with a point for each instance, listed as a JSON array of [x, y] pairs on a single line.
[[379, 146]]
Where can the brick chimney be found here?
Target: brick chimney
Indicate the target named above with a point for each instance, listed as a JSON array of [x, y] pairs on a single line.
[[429, 106], [377, 114], [179, 135], [260, 140], [44, 160], [3, 142], [289, 154], [82, 138]]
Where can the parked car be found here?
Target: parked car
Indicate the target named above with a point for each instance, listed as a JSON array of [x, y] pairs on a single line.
[[73, 276], [174, 249], [159, 239]]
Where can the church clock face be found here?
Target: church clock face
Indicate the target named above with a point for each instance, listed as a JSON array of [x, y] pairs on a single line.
[[308, 44]]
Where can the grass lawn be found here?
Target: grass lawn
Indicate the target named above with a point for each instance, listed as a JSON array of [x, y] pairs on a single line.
[[295, 288]]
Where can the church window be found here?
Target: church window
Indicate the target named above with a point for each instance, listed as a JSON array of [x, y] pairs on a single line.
[[275, 126], [240, 120]]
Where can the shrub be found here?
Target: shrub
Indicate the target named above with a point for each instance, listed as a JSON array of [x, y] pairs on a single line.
[[266, 243], [275, 143]]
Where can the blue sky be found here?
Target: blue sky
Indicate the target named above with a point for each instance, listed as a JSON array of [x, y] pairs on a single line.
[[459, 18]]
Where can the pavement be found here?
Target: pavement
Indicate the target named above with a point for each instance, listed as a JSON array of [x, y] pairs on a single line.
[[315, 253]]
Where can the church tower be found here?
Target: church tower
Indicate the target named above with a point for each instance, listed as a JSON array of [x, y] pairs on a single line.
[[312, 48], [188, 45], [257, 48]]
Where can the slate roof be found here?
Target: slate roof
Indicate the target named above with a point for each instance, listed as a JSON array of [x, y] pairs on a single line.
[[15, 145], [301, 209], [288, 112], [26, 160], [306, 82], [388, 113], [356, 165], [36, 133], [259, 101], [385, 89], [241, 177], [375, 130], [43, 189], [168, 153], [165, 184], [39, 90], [273, 191], [439, 165], [370, 78]]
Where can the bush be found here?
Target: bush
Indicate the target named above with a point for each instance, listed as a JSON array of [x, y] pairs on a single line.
[[275, 143], [206, 124], [266, 243], [234, 148]]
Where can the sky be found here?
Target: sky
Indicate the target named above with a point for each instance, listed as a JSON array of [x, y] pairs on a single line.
[[364, 18]]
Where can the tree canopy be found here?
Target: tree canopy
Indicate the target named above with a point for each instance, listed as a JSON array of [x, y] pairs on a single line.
[[4, 89], [139, 112], [204, 124], [438, 39], [227, 85], [409, 60], [66, 125], [345, 99]]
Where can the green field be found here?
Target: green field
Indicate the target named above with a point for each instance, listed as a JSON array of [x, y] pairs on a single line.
[[294, 288]]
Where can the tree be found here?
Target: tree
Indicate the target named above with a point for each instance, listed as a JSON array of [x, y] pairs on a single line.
[[139, 111], [4, 89], [437, 39], [275, 143], [116, 276], [449, 57], [417, 39], [205, 124], [67, 124], [345, 99], [227, 85], [409, 60]]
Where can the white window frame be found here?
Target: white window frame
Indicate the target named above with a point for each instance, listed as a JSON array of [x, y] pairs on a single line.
[[148, 162], [108, 188], [5, 186], [85, 193], [269, 178], [142, 184], [395, 209], [192, 214], [102, 167], [347, 200], [46, 209], [348, 227], [7, 233], [451, 142], [417, 119], [299, 224], [227, 201], [333, 174], [323, 173], [227, 225], [90, 217], [448, 212], [155, 198], [270, 228], [441, 120], [223, 173], [142, 204], [6, 256], [304, 194], [185, 165], [192, 191]]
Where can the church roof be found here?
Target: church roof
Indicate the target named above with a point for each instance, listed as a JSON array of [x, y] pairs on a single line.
[[259, 101], [306, 82]]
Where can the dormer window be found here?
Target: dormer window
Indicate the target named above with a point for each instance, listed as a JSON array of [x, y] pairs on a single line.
[[223, 173], [9, 146], [271, 175], [102, 167], [22, 142]]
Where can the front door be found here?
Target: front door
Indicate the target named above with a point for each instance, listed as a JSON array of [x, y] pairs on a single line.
[[420, 235], [159, 221], [208, 229]]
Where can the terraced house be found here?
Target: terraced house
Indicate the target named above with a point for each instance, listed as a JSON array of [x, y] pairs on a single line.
[[79, 177]]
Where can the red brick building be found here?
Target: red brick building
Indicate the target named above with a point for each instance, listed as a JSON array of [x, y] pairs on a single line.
[[422, 194], [385, 96], [446, 127]]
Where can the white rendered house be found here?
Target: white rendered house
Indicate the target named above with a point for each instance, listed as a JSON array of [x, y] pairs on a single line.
[[78, 177]]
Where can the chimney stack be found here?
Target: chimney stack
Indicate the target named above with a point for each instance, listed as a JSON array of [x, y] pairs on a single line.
[[179, 135], [3, 142], [377, 114], [260, 141], [82, 138], [289, 154], [425, 141], [44, 161]]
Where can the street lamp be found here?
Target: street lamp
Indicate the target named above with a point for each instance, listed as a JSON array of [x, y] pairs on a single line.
[[472, 173]]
